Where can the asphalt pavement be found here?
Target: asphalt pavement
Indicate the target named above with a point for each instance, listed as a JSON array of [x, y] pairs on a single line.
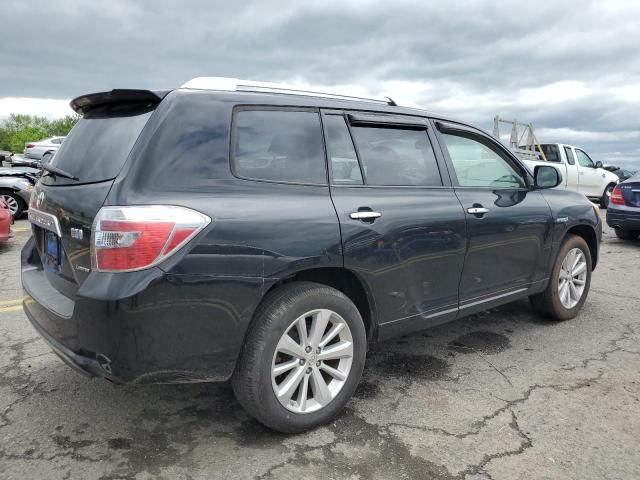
[[503, 394]]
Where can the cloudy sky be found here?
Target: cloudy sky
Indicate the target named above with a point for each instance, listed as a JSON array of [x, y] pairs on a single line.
[[570, 68]]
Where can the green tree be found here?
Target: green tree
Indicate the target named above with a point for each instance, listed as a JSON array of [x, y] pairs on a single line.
[[62, 126], [19, 129]]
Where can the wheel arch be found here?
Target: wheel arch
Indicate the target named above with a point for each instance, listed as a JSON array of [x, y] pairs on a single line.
[[588, 233], [343, 280]]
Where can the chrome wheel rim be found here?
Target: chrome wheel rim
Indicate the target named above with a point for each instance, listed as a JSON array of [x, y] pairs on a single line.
[[12, 203], [573, 278], [312, 361]]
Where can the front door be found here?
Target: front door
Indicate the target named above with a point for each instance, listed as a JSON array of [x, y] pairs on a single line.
[[589, 177], [403, 228], [508, 223]]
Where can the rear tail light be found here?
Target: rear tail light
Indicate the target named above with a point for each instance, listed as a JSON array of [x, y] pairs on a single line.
[[616, 196], [124, 239], [29, 145]]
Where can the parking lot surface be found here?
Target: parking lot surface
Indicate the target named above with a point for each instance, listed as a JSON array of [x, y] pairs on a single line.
[[503, 395]]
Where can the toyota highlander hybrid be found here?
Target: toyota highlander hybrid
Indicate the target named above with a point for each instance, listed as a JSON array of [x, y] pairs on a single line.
[[254, 232]]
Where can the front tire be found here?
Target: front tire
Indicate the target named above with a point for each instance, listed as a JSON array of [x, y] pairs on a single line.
[[302, 359], [569, 283], [606, 196]]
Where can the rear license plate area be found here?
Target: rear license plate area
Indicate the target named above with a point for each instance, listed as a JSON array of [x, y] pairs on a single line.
[[51, 249]]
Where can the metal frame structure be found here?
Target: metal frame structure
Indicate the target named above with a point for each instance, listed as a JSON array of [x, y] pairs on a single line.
[[532, 144]]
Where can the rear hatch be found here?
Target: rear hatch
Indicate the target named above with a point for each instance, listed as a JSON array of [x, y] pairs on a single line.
[[62, 209]]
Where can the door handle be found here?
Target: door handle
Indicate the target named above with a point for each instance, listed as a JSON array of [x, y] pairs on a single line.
[[365, 215], [478, 210]]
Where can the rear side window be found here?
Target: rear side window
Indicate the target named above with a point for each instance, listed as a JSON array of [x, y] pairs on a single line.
[[396, 157], [99, 144], [570, 158], [279, 146]]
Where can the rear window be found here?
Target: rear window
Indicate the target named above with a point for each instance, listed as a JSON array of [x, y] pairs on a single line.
[[98, 146], [551, 152], [279, 146]]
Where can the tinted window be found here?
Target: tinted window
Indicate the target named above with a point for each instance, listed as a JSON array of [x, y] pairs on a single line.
[[98, 145], [583, 159], [477, 165], [570, 157], [282, 146], [391, 156], [551, 152], [342, 154]]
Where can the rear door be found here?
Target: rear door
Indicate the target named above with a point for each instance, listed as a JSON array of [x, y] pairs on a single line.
[[403, 229], [62, 209], [508, 224]]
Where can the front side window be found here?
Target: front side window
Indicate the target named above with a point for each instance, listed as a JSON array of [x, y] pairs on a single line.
[[477, 165], [584, 160], [570, 157], [279, 145], [396, 157], [342, 155]]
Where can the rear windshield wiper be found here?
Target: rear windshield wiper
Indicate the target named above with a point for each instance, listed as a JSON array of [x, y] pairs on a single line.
[[59, 172]]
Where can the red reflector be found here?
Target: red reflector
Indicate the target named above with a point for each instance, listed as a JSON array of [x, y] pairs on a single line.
[[616, 196], [178, 237]]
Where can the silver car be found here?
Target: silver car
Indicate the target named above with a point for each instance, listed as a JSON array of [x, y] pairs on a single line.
[[44, 149], [16, 186]]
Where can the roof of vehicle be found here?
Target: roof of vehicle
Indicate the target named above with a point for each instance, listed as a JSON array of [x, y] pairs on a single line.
[[294, 94]]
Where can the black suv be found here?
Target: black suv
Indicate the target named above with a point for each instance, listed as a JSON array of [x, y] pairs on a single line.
[[258, 233]]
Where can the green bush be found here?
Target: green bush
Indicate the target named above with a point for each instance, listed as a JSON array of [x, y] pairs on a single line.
[[19, 129]]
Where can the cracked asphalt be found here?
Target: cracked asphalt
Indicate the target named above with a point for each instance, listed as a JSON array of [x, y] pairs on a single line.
[[499, 395]]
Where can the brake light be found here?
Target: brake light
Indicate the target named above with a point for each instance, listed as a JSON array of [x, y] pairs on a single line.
[[125, 239], [29, 145], [616, 196]]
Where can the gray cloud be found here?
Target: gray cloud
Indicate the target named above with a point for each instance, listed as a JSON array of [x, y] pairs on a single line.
[[568, 67]]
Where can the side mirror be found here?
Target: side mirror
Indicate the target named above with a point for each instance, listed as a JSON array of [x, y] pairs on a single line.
[[546, 176], [598, 164]]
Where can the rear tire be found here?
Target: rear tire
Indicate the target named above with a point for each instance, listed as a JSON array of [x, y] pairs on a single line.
[[557, 301], [625, 234], [281, 316], [606, 196]]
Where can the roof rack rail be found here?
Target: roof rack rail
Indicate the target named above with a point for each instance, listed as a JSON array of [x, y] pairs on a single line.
[[236, 85]]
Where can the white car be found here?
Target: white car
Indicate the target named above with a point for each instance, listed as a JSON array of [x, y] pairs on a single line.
[[44, 149], [578, 171]]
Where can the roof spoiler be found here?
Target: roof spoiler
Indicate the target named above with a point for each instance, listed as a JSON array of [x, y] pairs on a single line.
[[85, 103]]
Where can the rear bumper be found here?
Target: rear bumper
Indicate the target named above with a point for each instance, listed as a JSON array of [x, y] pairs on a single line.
[[171, 330], [83, 364], [621, 216]]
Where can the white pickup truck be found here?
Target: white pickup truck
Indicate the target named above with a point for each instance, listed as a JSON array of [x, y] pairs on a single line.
[[578, 171]]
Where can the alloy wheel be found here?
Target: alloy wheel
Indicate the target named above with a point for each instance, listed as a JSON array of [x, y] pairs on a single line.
[[572, 278], [12, 203], [312, 361]]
